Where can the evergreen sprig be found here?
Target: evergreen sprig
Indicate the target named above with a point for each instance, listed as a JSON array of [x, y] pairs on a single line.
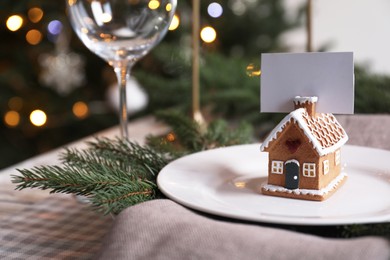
[[115, 173], [189, 136], [112, 173]]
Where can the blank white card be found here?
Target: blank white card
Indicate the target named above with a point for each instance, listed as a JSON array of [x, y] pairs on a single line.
[[327, 75]]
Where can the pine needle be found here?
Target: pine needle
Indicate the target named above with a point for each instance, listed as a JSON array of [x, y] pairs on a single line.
[[116, 173]]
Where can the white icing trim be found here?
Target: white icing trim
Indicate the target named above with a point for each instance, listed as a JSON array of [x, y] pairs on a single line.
[[299, 99], [292, 161], [316, 144], [279, 128], [296, 115], [277, 164], [333, 184]]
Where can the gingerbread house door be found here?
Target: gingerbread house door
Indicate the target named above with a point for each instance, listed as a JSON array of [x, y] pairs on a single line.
[[292, 174]]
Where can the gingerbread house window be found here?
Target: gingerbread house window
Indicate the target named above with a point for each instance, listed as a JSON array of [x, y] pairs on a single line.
[[277, 167], [326, 166], [309, 169], [337, 157]]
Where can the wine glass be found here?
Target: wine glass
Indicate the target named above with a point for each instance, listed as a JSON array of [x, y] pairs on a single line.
[[121, 32]]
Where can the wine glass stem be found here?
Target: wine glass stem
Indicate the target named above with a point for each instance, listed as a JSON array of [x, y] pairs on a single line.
[[123, 74]]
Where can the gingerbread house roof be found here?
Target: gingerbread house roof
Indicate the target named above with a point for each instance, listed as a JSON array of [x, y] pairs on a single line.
[[323, 130]]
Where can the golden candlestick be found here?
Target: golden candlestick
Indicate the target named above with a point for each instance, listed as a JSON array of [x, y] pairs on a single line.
[[196, 113], [309, 47]]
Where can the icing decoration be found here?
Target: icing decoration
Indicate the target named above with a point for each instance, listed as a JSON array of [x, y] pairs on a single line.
[[323, 131], [332, 185], [299, 99], [292, 161]]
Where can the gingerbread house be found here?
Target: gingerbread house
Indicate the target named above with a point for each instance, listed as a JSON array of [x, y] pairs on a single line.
[[304, 154]]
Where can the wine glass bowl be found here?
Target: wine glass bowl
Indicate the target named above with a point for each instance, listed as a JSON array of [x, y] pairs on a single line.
[[121, 32]]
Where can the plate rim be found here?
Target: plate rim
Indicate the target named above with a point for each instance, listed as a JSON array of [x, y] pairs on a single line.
[[299, 220]]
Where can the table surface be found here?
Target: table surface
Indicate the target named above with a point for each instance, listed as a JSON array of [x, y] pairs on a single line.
[[38, 225]]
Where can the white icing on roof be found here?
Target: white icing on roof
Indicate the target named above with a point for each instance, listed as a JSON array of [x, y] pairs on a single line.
[[323, 131]]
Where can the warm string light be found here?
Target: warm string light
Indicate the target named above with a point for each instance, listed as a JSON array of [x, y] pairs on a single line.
[[35, 14], [174, 23], [80, 109], [253, 70], [168, 7], [14, 23], [170, 137], [13, 117], [38, 117], [208, 34], [154, 4], [34, 37]]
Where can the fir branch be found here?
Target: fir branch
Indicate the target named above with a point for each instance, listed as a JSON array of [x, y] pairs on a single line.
[[220, 134], [115, 200], [187, 131], [116, 173], [191, 137], [112, 173], [119, 155], [64, 179], [167, 145]]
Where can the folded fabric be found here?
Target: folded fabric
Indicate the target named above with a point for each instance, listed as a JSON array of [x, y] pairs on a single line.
[[162, 229], [367, 130]]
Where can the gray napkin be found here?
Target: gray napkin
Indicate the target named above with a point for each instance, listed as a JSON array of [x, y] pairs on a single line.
[[162, 229], [367, 130]]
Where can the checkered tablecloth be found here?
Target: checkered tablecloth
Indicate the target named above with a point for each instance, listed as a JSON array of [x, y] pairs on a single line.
[[37, 225], [55, 228]]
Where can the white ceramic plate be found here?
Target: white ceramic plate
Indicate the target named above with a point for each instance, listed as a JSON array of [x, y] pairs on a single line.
[[226, 182]]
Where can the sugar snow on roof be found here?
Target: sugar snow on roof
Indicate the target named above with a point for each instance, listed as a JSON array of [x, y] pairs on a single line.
[[323, 131]]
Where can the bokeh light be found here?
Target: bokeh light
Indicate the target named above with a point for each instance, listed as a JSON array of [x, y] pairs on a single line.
[[54, 27], [215, 10], [238, 7], [174, 23], [168, 7], [12, 118], [171, 137], [253, 70], [14, 22], [35, 14], [80, 109], [154, 4], [15, 103], [38, 117], [106, 17], [208, 34], [34, 37]]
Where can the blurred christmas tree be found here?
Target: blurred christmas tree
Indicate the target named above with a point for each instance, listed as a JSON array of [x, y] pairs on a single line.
[[46, 69]]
